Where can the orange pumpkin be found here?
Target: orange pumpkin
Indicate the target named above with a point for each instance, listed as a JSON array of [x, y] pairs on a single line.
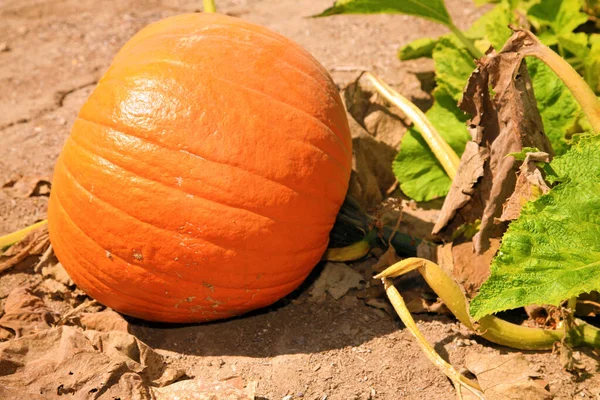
[[203, 174]]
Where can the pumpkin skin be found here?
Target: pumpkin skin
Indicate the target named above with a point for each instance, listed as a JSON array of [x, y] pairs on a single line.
[[203, 174]]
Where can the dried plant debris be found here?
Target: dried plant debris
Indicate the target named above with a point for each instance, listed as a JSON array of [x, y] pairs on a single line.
[[25, 313], [505, 120], [530, 185], [506, 376], [35, 243]]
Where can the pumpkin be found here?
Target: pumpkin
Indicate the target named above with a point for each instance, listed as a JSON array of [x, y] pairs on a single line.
[[204, 173]]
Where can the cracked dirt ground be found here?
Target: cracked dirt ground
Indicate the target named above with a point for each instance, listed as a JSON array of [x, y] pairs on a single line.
[[53, 53]]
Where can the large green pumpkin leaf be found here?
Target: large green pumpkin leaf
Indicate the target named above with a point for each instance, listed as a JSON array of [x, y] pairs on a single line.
[[434, 10], [561, 16], [557, 106], [419, 173], [453, 66], [552, 251], [418, 48]]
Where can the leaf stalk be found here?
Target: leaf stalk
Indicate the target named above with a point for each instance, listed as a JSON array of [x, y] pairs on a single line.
[[440, 148]]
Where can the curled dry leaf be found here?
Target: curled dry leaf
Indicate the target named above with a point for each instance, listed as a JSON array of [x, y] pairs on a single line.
[[336, 279], [28, 186], [375, 134], [35, 243], [104, 321], [468, 268], [503, 122], [530, 185], [25, 313], [506, 376], [83, 365]]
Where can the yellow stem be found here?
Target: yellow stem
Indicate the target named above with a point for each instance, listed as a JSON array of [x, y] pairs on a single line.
[[404, 314], [209, 6], [12, 238], [440, 148], [585, 96]]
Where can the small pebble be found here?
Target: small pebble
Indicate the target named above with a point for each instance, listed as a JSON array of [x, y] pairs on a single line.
[[4, 47]]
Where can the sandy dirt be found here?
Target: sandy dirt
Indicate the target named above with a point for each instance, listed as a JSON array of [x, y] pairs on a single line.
[[53, 53]]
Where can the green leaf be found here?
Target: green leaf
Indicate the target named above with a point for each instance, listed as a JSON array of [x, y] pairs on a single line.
[[552, 251], [492, 28], [417, 48], [592, 64], [419, 173], [562, 16], [434, 10], [576, 43], [557, 106], [453, 66]]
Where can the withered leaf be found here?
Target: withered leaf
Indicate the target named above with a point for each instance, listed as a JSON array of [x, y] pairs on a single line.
[[83, 365], [25, 313], [35, 243], [505, 119], [530, 185], [506, 376]]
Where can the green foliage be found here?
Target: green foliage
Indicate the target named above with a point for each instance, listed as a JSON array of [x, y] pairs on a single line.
[[453, 66], [556, 104], [416, 49], [419, 173], [434, 10], [552, 251]]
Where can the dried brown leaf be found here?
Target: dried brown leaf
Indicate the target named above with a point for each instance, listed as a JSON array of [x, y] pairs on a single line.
[[83, 365], [503, 122], [506, 376], [25, 313], [104, 321], [336, 279], [530, 185], [35, 243], [29, 186]]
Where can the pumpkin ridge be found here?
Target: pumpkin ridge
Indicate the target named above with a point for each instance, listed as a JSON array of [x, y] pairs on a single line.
[[203, 239], [168, 310], [303, 193], [333, 132], [173, 186], [339, 163], [108, 133], [141, 268], [296, 68], [83, 257]]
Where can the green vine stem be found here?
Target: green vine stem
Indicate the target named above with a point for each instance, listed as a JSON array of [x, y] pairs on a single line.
[[442, 150], [474, 51], [585, 96], [209, 6], [491, 327]]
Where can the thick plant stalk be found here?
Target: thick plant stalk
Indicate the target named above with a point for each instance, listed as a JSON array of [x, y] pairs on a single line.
[[12, 238], [585, 96], [352, 252], [400, 306], [490, 327], [209, 6], [440, 148]]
